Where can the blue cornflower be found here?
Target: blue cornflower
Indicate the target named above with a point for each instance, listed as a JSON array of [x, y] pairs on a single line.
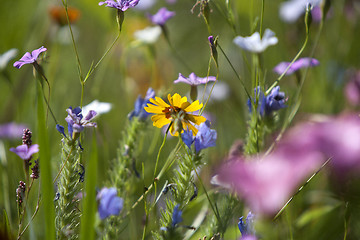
[[267, 104], [247, 228], [140, 103], [176, 216], [205, 137], [109, 202]]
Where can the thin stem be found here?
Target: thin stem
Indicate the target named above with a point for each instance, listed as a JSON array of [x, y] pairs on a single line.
[[233, 68], [262, 16], [24, 211], [64, 2], [301, 188]]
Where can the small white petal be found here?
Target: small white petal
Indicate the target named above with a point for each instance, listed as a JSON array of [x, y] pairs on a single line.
[[148, 35], [254, 44], [6, 57], [98, 107]]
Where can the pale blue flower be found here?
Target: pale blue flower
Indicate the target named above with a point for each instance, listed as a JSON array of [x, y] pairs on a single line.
[[109, 203]]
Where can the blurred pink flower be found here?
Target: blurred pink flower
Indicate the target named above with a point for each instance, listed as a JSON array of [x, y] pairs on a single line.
[[268, 182]]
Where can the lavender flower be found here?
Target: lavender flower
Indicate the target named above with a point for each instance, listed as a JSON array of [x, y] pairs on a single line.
[[161, 17], [140, 103], [29, 58], [298, 64], [6, 57], [109, 202], [247, 228], [205, 137], [122, 5], [176, 216], [76, 122], [24, 151], [194, 80], [254, 44]]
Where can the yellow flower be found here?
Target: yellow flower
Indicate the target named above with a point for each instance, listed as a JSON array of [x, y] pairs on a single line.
[[177, 112]]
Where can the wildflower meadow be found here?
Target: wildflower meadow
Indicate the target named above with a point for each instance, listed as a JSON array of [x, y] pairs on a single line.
[[180, 119]]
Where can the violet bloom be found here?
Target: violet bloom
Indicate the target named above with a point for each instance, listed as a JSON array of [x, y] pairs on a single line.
[[29, 58], [205, 137], [254, 44], [140, 103], [109, 202], [11, 130], [275, 100], [297, 65], [247, 228], [25, 152], [176, 216], [194, 80], [187, 137], [122, 5], [161, 17], [270, 103]]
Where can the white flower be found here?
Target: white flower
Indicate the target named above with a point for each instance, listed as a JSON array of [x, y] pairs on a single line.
[[291, 10], [6, 57], [254, 44], [148, 35], [98, 107], [145, 4]]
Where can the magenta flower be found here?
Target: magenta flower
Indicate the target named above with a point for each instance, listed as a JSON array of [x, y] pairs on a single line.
[[122, 5], [194, 80], [161, 17], [29, 58], [297, 65], [25, 152]]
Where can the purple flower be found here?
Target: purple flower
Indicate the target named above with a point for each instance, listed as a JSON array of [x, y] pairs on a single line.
[[247, 228], [161, 16], [298, 64], [272, 102], [29, 57], [194, 80], [176, 216], [109, 202], [122, 5], [187, 137], [25, 152], [291, 10], [76, 122], [140, 103], [275, 100], [11, 130], [205, 137]]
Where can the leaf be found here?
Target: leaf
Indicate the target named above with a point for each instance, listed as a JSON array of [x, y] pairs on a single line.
[[314, 214]]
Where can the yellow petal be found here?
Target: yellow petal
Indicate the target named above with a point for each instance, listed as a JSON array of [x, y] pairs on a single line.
[[153, 109], [192, 128], [195, 119], [194, 106], [160, 120], [158, 101]]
